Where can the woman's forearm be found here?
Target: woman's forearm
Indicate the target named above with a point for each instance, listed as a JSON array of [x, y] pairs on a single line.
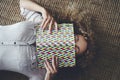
[[31, 5]]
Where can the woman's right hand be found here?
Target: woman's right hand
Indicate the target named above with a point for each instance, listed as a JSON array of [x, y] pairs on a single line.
[[48, 21]]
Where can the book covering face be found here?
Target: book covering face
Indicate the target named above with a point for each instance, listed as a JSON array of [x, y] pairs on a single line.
[[60, 44]]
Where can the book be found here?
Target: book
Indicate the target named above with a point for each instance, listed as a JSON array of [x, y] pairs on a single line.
[[60, 44]]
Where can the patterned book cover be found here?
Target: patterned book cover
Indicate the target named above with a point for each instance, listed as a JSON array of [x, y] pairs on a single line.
[[59, 43]]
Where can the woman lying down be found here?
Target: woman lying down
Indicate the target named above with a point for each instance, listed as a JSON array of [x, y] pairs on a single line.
[[17, 50]]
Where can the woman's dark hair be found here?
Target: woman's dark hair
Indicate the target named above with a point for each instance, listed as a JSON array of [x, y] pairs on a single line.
[[82, 26]]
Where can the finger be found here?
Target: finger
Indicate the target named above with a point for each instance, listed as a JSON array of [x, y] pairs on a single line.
[[50, 26], [56, 58], [49, 66], [46, 23], [54, 63], [46, 67], [43, 22], [56, 26]]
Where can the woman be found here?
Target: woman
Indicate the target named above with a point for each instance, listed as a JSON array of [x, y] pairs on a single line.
[[17, 49], [44, 19]]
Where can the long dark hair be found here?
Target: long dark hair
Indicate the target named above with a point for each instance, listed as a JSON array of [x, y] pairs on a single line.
[[82, 26]]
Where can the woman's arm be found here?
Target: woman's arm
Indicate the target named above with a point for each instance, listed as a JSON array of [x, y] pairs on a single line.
[[47, 18], [30, 5]]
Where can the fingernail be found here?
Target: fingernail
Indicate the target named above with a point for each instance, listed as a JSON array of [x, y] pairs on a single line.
[[46, 59], [41, 27], [56, 30], [42, 30], [50, 32], [56, 57]]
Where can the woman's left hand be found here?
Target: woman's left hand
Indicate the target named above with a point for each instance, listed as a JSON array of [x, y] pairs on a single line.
[[51, 69], [48, 20]]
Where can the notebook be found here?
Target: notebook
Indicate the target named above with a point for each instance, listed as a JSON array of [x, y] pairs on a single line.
[[60, 44]]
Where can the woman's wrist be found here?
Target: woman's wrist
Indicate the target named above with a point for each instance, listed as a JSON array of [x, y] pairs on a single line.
[[47, 77]]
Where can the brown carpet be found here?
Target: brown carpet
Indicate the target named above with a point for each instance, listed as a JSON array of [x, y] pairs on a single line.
[[105, 23]]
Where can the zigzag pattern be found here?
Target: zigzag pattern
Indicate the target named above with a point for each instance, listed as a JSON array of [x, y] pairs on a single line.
[[59, 43]]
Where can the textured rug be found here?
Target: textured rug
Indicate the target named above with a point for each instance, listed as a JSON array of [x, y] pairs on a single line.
[[105, 22]]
